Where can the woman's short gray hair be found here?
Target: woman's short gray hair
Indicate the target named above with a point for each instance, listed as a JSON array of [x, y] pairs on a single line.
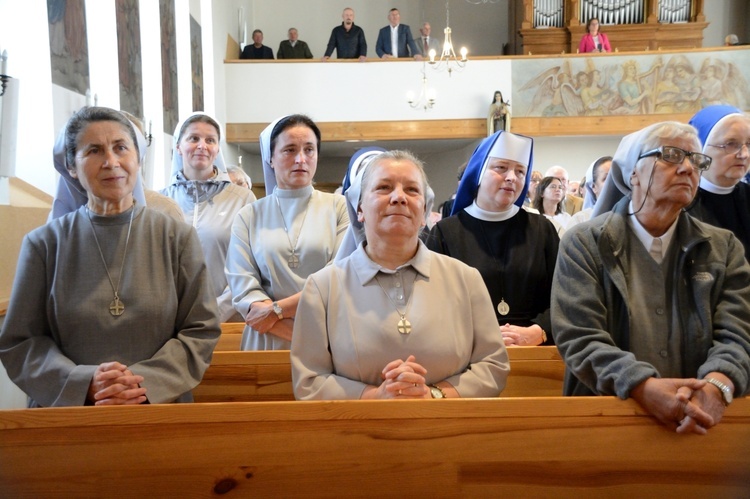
[[82, 119], [396, 155]]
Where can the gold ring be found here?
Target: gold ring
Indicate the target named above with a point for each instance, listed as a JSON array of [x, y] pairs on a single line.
[[399, 392]]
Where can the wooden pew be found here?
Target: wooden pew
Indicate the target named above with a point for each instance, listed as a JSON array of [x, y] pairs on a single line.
[[266, 375], [544, 447], [231, 337]]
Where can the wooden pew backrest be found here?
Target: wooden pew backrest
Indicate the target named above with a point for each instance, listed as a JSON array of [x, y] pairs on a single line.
[[266, 375], [544, 447]]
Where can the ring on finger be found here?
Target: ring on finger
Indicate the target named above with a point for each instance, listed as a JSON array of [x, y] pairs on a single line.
[[399, 392]]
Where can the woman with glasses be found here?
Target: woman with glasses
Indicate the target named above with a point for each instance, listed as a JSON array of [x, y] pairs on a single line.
[[649, 303], [722, 199], [550, 202], [513, 249]]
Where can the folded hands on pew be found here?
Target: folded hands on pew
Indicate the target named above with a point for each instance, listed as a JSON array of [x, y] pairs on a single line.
[[114, 384], [404, 379], [521, 336], [684, 405]]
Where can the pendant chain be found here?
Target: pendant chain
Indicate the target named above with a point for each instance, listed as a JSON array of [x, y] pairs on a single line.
[[404, 326], [293, 260], [502, 307], [116, 307]]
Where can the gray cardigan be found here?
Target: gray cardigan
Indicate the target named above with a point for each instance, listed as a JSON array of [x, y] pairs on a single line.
[[591, 321]]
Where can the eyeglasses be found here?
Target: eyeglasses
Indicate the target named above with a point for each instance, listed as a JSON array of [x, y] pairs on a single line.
[[732, 147], [676, 156], [555, 187]]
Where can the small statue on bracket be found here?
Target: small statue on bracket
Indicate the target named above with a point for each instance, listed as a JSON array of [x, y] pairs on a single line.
[[498, 117]]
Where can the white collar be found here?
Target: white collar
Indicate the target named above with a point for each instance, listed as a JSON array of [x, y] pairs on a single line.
[[647, 239], [491, 216], [709, 186]]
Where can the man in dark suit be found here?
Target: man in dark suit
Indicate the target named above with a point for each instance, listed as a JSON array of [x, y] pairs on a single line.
[[293, 48], [397, 33], [427, 42], [257, 50]]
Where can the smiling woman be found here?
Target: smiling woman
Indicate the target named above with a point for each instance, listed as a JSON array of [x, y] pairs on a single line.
[[111, 302], [209, 200], [371, 326]]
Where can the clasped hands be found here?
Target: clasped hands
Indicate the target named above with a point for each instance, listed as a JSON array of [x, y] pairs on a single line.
[[261, 316], [521, 336], [402, 379], [114, 384], [683, 405]]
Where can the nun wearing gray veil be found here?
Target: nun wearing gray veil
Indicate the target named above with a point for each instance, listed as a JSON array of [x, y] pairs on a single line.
[[391, 319], [279, 240], [111, 302], [208, 198], [513, 249]]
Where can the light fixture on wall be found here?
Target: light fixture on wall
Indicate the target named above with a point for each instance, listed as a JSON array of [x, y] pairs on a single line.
[[448, 58], [148, 135], [4, 71], [427, 96]]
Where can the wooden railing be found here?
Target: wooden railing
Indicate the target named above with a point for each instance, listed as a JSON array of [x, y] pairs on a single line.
[[545, 447]]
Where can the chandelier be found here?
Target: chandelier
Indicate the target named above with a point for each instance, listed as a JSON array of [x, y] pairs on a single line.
[[448, 57], [427, 96]]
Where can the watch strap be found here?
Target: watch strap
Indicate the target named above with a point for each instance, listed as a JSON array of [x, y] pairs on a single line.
[[726, 392], [278, 310]]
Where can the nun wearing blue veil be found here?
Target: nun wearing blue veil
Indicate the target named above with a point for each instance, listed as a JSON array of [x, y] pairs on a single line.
[[514, 250], [723, 200]]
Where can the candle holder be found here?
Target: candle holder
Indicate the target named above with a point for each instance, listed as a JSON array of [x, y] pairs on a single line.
[[4, 79]]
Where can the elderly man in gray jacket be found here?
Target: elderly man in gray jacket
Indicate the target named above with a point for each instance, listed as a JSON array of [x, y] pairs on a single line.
[[647, 302]]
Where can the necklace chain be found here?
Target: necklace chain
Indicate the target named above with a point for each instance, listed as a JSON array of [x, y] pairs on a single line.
[[293, 260], [116, 307], [502, 306], [404, 326]]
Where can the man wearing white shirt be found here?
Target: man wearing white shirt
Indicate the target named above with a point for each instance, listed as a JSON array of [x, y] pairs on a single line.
[[395, 40]]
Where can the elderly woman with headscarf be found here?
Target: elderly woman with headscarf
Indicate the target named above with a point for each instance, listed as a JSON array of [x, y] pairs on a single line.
[[111, 302], [374, 326], [279, 240], [722, 199], [513, 249], [70, 195], [208, 198], [596, 175], [648, 302]]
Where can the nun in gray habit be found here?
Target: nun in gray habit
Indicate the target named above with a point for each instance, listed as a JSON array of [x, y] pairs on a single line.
[[279, 240], [208, 204]]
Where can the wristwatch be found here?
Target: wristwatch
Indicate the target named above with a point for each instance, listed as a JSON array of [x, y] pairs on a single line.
[[437, 392], [278, 310], [726, 392]]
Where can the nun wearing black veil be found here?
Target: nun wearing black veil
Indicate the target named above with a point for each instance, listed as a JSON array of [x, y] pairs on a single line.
[[514, 250]]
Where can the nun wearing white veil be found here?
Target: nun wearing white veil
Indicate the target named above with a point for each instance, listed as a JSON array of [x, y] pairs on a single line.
[[513, 249], [279, 240], [393, 320], [207, 197], [596, 175]]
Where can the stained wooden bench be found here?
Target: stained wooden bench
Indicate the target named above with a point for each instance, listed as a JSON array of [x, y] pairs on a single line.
[[539, 447], [255, 376]]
